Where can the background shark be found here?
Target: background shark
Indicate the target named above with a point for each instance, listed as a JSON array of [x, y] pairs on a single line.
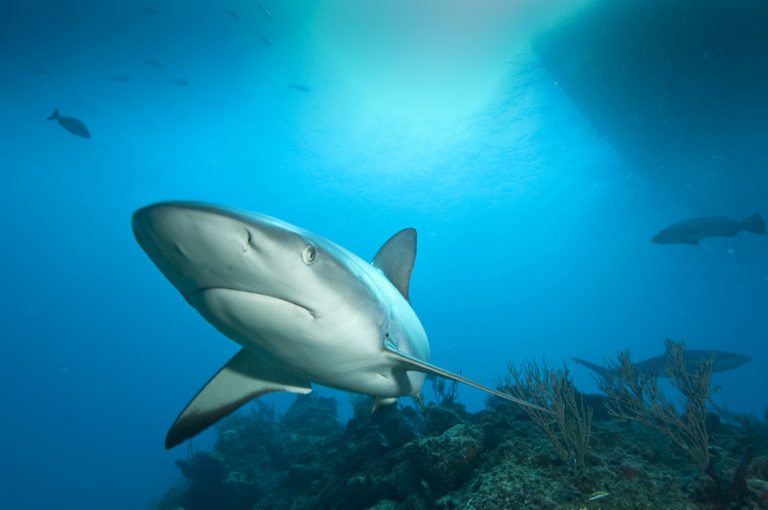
[[722, 361], [303, 308]]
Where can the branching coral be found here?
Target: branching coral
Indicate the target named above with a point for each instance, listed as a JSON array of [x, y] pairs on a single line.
[[569, 425], [636, 395]]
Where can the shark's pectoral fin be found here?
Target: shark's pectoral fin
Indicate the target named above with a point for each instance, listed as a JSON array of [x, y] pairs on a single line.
[[396, 258], [410, 363], [244, 377]]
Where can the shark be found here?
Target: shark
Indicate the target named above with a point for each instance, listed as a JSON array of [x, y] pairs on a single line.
[[721, 361], [303, 309]]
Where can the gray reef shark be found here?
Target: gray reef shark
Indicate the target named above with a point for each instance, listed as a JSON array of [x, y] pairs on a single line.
[[722, 361], [693, 230], [304, 309]]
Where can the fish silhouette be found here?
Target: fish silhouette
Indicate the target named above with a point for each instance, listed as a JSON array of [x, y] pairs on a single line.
[[693, 230], [266, 12], [264, 39], [230, 12], [71, 124]]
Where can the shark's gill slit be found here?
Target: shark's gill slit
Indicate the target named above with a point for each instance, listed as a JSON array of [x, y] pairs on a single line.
[[248, 240]]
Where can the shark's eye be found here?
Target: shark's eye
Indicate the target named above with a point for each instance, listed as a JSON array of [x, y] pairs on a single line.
[[309, 254]]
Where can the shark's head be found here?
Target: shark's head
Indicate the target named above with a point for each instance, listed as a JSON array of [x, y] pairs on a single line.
[[728, 361], [199, 247], [274, 288]]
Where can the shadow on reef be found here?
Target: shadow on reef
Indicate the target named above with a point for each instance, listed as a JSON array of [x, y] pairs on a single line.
[[442, 457]]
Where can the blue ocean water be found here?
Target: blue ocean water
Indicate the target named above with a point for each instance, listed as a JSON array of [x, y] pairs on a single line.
[[352, 120]]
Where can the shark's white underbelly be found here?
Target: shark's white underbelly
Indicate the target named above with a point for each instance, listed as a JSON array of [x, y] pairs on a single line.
[[344, 352]]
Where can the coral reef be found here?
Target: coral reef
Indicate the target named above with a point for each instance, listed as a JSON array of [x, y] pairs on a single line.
[[568, 425], [637, 396], [442, 457]]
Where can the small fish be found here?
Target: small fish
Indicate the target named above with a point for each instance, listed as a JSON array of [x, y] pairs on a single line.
[[150, 10], [71, 124], [265, 11], [693, 230], [39, 70], [230, 12], [180, 82], [154, 63], [264, 39], [597, 495], [116, 77], [300, 88], [717, 389]]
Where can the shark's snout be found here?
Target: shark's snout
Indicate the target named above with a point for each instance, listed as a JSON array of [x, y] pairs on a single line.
[[145, 228], [160, 231], [140, 222], [159, 226], [189, 227], [194, 245]]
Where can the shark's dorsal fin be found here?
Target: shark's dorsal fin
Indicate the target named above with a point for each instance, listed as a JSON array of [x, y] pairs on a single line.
[[396, 257], [601, 371], [243, 378]]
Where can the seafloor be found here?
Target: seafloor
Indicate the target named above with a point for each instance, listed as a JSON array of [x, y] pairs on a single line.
[[443, 457]]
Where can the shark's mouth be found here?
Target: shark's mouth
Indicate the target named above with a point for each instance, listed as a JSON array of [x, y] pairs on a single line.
[[201, 294]]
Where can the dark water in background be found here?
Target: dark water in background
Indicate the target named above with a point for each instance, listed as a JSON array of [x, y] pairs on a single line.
[[534, 224]]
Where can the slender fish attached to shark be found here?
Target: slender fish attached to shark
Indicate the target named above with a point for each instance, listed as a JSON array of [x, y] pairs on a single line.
[[304, 309]]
